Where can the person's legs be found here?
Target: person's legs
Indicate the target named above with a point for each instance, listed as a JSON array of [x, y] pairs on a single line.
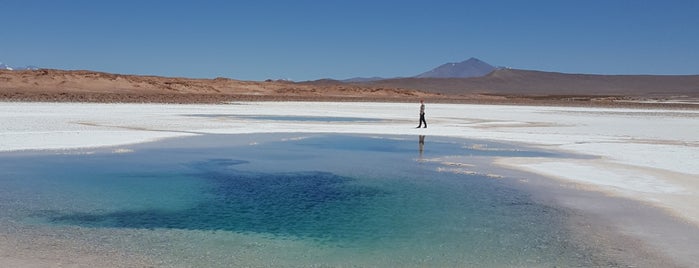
[[422, 120]]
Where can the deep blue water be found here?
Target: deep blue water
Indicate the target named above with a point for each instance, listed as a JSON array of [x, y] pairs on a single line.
[[372, 194]]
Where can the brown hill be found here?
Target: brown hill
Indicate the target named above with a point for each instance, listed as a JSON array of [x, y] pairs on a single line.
[[59, 85], [501, 86], [536, 83]]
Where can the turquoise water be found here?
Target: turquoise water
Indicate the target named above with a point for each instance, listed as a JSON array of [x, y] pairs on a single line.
[[333, 200]]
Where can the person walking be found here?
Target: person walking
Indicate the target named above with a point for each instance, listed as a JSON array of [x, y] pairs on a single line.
[[422, 114]]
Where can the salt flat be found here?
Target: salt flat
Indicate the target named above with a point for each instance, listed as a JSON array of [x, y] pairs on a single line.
[[649, 155]]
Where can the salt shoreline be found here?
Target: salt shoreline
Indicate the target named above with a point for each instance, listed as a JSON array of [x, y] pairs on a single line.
[[640, 154]]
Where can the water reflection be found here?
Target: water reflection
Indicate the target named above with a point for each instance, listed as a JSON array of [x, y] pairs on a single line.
[[421, 145]]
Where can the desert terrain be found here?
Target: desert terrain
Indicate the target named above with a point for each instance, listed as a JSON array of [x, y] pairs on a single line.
[[89, 86], [503, 86]]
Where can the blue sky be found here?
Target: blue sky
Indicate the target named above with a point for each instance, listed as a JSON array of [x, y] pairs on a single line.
[[306, 40]]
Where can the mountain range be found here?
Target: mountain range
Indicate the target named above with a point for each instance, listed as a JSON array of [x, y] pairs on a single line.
[[466, 80], [474, 76], [515, 82], [17, 68]]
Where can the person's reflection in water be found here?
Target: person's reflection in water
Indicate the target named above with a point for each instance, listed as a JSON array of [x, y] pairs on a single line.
[[421, 145]]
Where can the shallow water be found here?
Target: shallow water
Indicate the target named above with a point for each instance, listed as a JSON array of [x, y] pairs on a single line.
[[292, 200], [290, 118]]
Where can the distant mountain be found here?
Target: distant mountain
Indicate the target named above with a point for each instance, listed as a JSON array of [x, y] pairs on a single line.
[[11, 68], [469, 68], [538, 83], [28, 67], [5, 67]]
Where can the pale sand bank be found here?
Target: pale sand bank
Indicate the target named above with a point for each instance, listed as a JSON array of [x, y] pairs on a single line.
[[643, 154]]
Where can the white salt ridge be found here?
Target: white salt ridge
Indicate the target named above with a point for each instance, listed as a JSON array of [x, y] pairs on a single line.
[[611, 177]]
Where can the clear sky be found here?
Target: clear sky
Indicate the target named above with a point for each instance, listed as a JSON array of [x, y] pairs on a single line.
[[307, 40]]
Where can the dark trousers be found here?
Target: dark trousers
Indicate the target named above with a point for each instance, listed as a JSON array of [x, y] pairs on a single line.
[[422, 120]]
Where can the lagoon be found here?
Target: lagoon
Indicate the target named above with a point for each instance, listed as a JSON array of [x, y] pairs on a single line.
[[293, 200]]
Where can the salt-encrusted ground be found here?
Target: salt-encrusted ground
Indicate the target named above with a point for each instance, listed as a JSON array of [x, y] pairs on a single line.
[[647, 154], [643, 154]]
